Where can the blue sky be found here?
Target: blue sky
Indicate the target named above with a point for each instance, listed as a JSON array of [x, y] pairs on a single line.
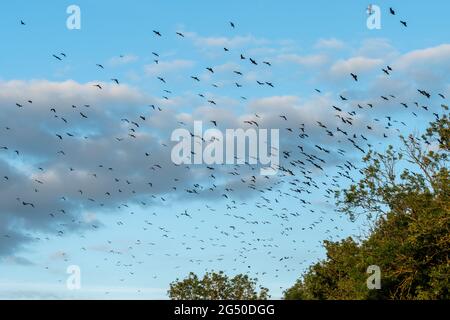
[[126, 249]]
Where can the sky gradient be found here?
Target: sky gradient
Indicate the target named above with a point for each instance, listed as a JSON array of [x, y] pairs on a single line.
[[132, 242]]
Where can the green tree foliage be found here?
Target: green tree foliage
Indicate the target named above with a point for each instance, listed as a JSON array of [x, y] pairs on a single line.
[[406, 194], [216, 286]]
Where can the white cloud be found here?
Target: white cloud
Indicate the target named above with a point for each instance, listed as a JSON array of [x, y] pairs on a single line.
[[314, 60], [274, 102], [355, 65], [52, 93], [439, 55], [164, 67], [223, 41], [234, 42], [330, 43], [125, 59], [376, 48]]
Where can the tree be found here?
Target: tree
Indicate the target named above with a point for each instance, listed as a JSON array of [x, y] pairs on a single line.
[[216, 286], [410, 237]]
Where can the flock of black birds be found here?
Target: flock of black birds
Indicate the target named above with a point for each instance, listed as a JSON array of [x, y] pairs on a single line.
[[303, 173], [392, 11]]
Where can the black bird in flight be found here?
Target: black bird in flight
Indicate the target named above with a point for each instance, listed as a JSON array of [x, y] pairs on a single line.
[[180, 34], [403, 23], [56, 57], [157, 33], [115, 80], [232, 24], [27, 204], [424, 93], [355, 77], [392, 11]]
